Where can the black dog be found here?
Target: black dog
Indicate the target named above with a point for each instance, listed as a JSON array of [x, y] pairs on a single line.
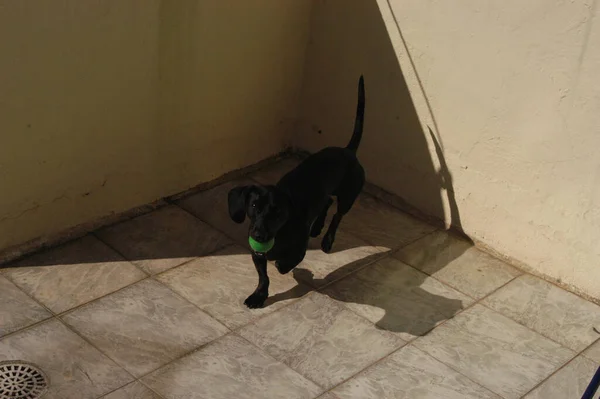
[[296, 208]]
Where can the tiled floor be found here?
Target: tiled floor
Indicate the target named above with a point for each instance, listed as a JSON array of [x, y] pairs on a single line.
[[153, 308]]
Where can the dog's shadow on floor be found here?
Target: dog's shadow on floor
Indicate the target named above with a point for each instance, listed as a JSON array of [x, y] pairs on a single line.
[[384, 290]]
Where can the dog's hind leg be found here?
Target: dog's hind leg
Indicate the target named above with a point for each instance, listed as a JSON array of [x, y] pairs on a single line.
[[329, 238], [319, 222], [346, 195]]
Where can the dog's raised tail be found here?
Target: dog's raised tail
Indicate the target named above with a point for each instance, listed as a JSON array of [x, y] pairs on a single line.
[[360, 117]]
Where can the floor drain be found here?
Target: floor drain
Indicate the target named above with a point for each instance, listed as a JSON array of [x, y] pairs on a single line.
[[19, 380]]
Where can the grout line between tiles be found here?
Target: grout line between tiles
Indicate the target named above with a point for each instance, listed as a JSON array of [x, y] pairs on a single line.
[[81, 305], [233, 240], [74, 308], [481, 300], [377, 258], [478, 302], [194, 260], [171, 268], [114, 390], [551, 374], [177, 294], [31, 326], [584, 352], [134, 378], [389, 255], [264, 352], [121, 387], [89, 342], [410, 342], [547, 280], [151, 389], [256, 320], [398, 247], [460, 372], [72, 328], [69, 328], [450, 285], [97, 237], [188, 353], [51, 313], [309, 289], [154, 391], [531, 329]]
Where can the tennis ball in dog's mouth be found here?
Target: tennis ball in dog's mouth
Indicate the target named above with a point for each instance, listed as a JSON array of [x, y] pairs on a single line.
[[261, 247]]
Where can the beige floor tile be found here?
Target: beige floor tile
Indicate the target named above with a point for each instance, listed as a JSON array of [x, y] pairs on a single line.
[[135, 390], [272, 174], [321, 339], [73, 274], [211, 206], [398, 298], [349, 254], [75, 369], [494, 351], [381, 224], [230, 368], [569, 382], [457, 263], [593, 352], [163, 239], [17, 310], [410, 373], [144, 326], [549, 310], [220, 283]]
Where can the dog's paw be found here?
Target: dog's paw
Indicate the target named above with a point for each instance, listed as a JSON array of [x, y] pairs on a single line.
[[256, 300], [327, 243]]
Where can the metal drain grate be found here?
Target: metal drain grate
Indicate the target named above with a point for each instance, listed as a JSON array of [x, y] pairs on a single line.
[[19, 380]]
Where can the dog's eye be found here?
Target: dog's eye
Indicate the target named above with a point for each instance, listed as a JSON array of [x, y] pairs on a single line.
[[254, 205]]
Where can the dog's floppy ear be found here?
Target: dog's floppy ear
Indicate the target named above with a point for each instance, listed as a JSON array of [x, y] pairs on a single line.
[[237, 200]]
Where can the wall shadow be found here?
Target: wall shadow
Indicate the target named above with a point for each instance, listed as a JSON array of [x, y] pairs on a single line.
[[349, 39]]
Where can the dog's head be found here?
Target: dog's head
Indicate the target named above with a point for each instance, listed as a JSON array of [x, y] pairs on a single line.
[[267, 208]]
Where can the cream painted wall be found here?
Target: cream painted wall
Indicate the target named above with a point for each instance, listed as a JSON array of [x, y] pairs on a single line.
[[107, 105], [510, 90], [231, 73]]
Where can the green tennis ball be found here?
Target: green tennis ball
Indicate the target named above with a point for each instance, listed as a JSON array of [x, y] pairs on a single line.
[[261, 247]]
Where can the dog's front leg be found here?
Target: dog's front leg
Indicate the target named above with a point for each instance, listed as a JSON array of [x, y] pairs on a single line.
[[257, 299]]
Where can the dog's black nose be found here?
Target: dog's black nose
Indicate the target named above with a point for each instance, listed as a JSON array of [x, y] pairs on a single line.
[[259, 236]]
